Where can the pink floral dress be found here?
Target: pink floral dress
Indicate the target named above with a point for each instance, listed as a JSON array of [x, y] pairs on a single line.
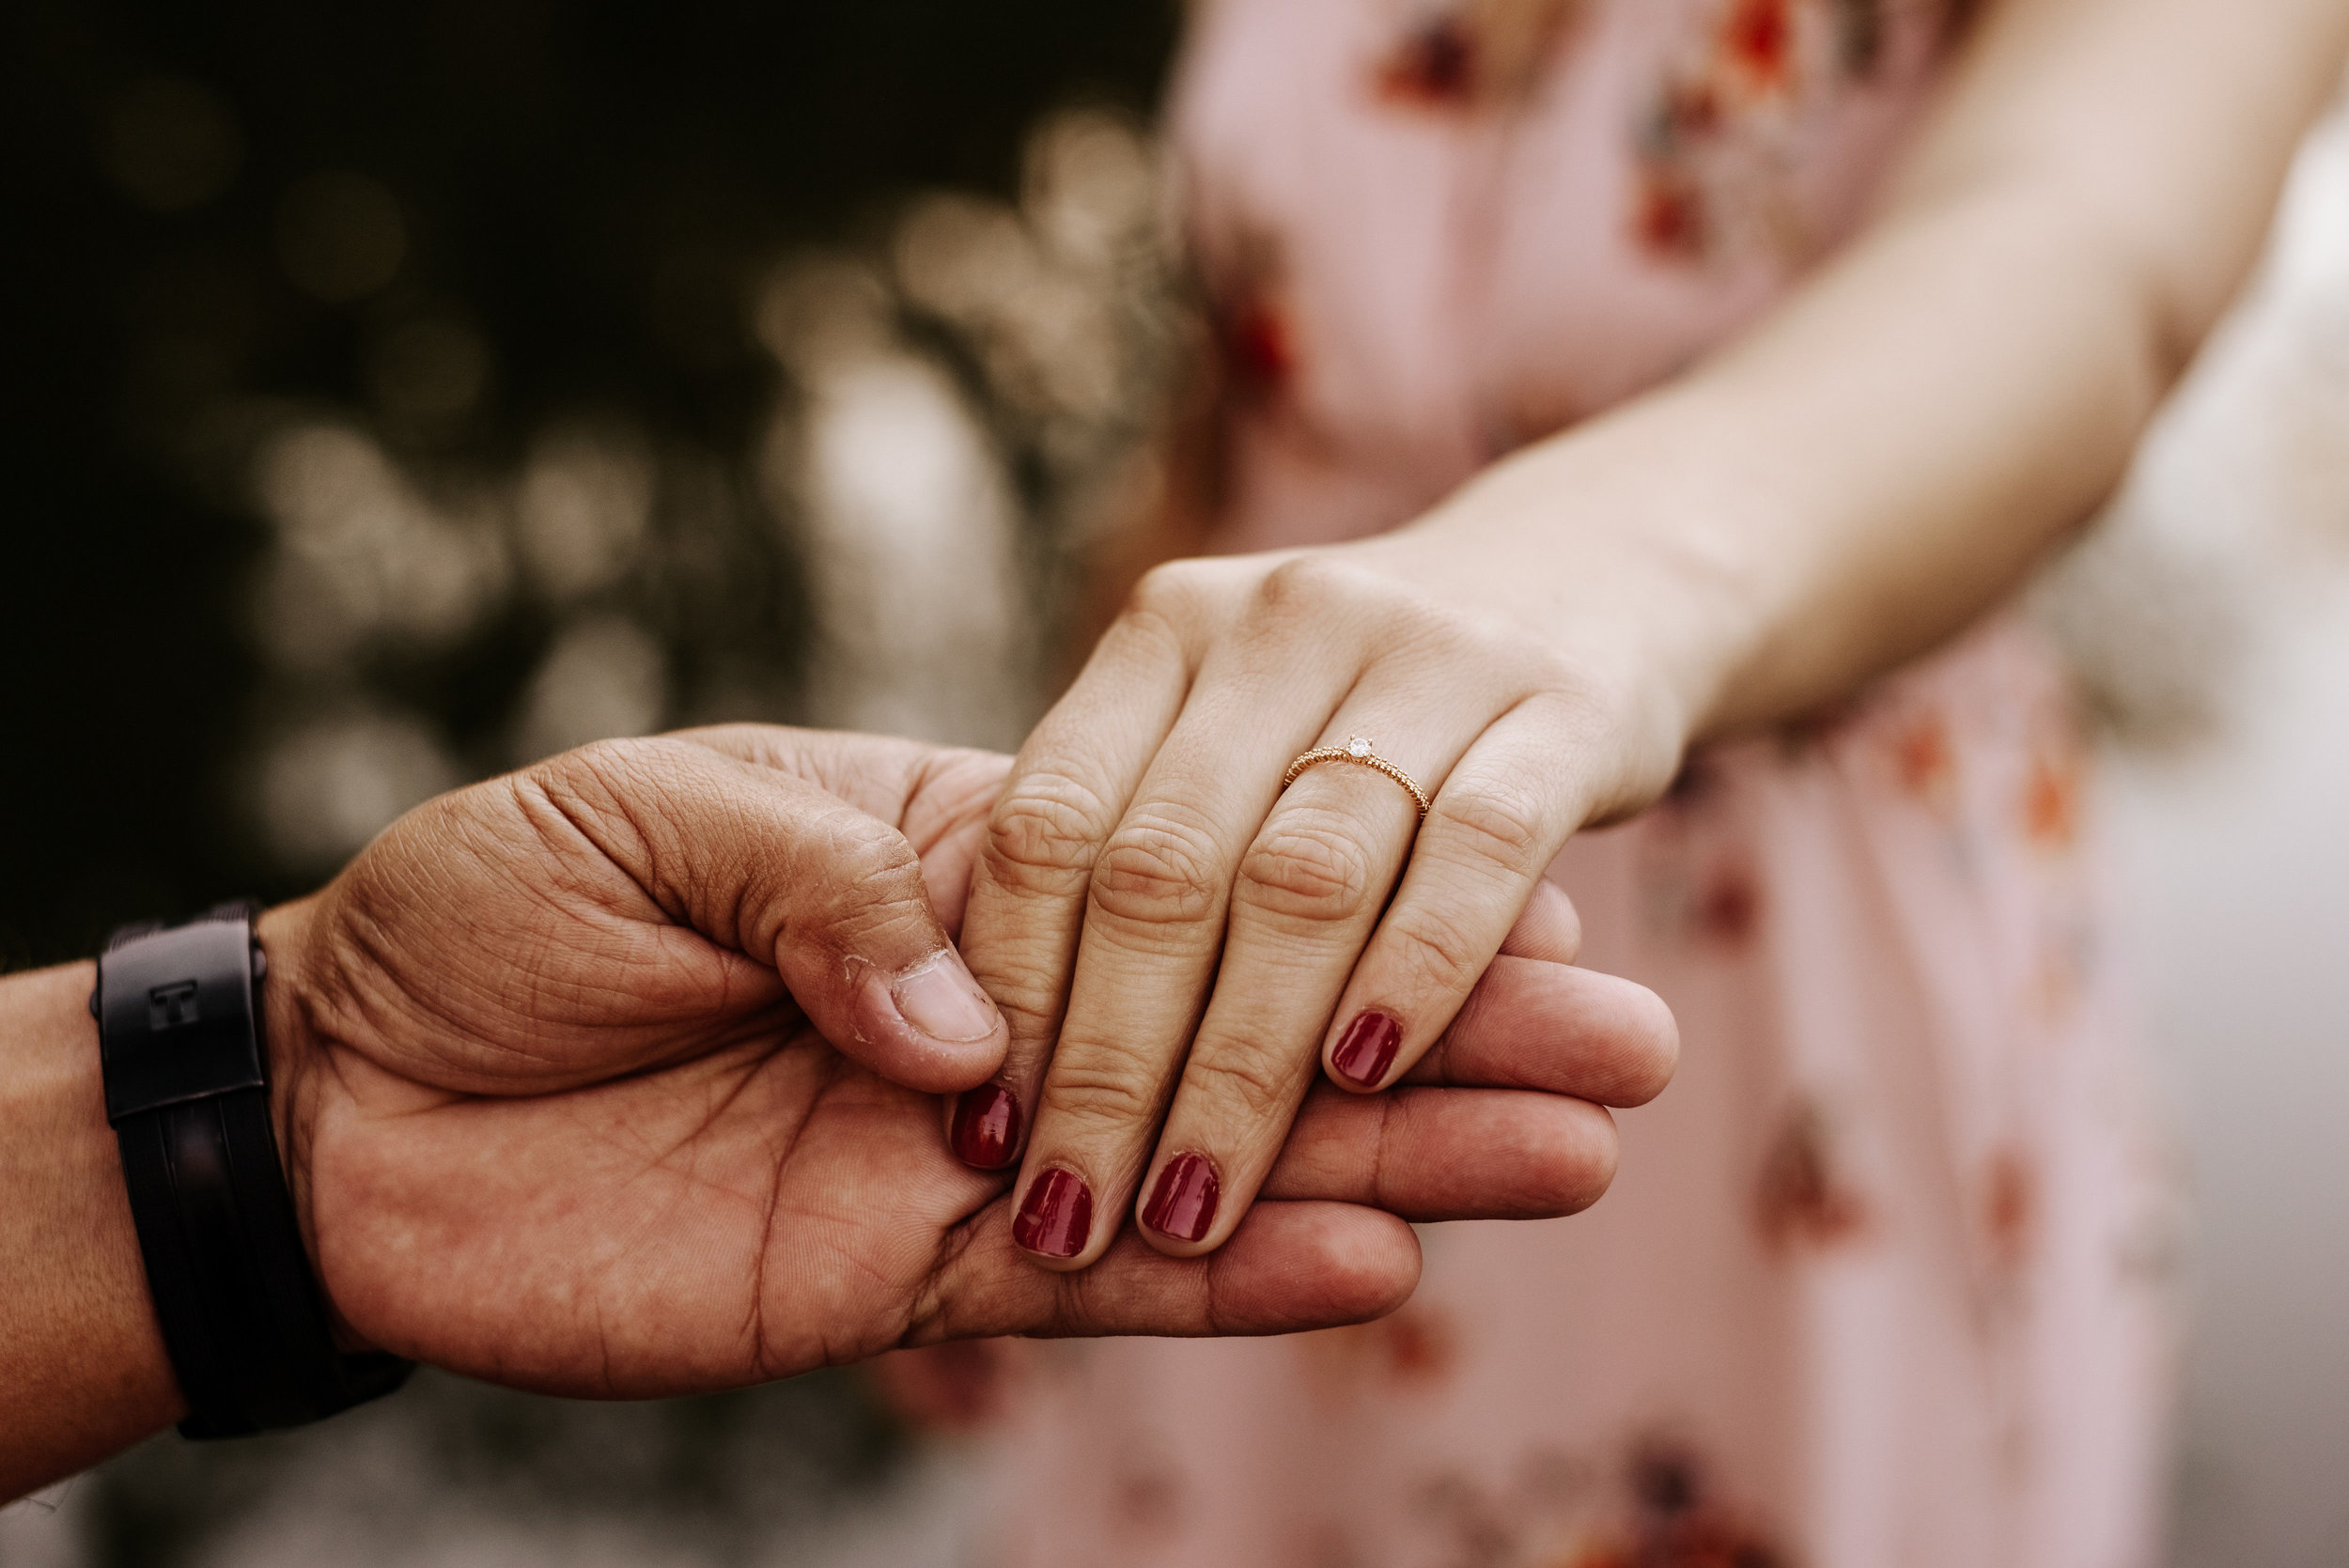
[[1882, 1280]]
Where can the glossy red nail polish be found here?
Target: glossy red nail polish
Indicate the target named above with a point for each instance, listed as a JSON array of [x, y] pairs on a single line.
[[986, 1126], [1057, 1217], [1367, 1048], [1182, 1205]]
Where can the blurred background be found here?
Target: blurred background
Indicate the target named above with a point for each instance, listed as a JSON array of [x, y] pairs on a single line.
[[394, 393]]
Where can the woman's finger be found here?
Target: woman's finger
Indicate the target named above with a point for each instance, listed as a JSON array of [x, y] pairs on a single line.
[[1307, 896], [1497, 821], [1173, 897], [1154, 934], [1066, 791]]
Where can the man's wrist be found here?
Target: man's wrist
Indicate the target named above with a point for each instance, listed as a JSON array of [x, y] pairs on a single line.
[[82, 1367], [291, 1041]]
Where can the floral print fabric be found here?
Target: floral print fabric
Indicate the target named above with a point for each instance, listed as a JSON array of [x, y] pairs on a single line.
[[1881, 1281]]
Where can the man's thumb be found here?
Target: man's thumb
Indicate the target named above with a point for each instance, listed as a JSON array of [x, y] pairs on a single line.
[[856, 942], [791, 875]]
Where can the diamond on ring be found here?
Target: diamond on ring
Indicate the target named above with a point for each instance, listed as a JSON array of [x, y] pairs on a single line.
[[1358, 748]]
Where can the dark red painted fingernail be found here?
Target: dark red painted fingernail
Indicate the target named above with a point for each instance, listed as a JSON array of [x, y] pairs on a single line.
[[986, 1126], [1182, 1205], [1057, 1217], [1367, 1048]]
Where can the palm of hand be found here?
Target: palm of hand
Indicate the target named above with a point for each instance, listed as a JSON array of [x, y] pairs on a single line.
[[763, 1210]]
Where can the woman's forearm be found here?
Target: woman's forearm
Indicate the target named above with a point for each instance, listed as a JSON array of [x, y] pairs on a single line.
[[82, 1371], [1890, 452]]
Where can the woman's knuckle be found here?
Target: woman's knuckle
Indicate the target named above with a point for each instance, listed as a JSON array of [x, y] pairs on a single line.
[[1305, 586], [1041, 835], [1307, 871], [1300, 577], [1102, 1093], [1159, 867], [1438, 955], [1250, 1083], [1167, 583], [1028, 992], [1489, 823]]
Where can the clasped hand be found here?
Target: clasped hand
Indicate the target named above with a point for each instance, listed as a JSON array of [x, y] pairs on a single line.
[[618, 1077]]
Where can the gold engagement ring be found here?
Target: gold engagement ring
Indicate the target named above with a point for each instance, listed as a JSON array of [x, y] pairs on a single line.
[[1360, 750]]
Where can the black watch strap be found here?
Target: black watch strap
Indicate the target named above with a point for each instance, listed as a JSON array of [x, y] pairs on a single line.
[[187, 1092]]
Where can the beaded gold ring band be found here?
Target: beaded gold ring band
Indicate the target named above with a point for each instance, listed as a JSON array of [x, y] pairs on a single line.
[[1358, 748]]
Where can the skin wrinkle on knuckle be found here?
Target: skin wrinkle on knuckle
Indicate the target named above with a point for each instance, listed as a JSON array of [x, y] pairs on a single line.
[[1030, 999], [1434, 954], [1160, 868], [1100, 1088], [928, 1303], [550, 801], [1080, 1311], [1246, 1080], [620, 787], [871, 883], [1435, 1069], [1481, 822], [1040, 837], [887, 926], [1311, 869], [1319, 1153], [629, 776]]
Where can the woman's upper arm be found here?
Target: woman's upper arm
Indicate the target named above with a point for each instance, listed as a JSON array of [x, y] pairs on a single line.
[[2163, 126]]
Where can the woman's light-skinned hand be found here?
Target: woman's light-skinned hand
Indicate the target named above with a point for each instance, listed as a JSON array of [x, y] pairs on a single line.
[[1180, 944]]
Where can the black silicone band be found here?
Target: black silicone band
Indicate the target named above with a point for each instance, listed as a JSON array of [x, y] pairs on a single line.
[[187, 1091]]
